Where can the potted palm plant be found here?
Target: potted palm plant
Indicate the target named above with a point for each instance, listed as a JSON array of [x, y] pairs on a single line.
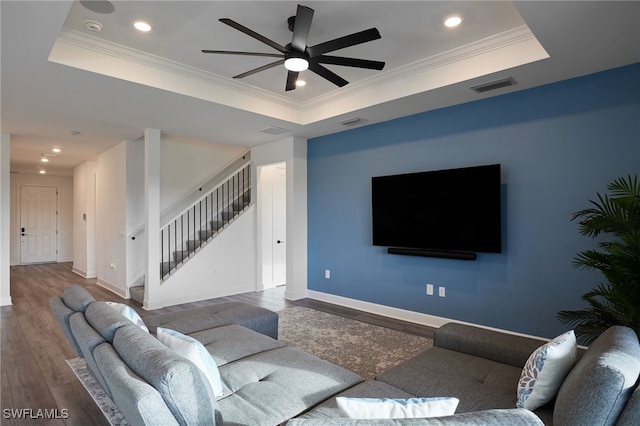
[[617, 300]]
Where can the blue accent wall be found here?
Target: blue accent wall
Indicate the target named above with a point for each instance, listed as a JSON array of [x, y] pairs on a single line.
[[558, 144]]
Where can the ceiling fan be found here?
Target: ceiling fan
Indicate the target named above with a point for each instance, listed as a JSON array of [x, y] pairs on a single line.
[[297, 56]]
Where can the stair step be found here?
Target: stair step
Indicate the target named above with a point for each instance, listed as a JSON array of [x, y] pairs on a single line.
[[179, 256], [166, 267], [205, 235], [137, 293], [192, 245]]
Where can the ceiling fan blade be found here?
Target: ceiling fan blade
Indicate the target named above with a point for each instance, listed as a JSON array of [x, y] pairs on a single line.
[[304, 15], [329, 75], [233, 52], [349, 62], [292, 77], [342, 42], [253, 34], [257, 70]]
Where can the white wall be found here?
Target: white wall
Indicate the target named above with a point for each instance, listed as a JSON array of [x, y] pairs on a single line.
[[225, 266], [184, 165], [65, 212], [111, 219], [135, 211], [84, 219], [5, 212]]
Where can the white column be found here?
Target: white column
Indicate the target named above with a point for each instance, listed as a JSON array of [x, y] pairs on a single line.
[[5, 209], [152, 216], [297, 220]]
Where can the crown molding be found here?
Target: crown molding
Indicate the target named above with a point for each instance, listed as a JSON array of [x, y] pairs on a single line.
[[491, 54]]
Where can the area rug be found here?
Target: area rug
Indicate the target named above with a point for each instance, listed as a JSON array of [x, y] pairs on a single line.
[[102, 400], [363, 348]]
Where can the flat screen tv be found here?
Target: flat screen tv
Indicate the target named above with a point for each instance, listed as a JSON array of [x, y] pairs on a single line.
[[455, 210]]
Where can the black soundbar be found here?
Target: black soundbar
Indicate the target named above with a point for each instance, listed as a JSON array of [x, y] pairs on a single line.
[[442, 254]]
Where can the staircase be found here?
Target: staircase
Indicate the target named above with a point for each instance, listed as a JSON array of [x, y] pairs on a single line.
[[184, 236]]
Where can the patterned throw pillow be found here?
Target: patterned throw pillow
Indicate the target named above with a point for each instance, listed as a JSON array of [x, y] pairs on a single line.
[[129, 313], [545, 371], [385, 408], [195, 352]]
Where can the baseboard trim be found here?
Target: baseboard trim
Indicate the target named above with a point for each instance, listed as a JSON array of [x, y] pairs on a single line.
[[6, 301], [402, 314], [112, 288]]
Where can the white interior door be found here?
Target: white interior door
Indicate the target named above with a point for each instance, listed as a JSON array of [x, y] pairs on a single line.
[[273, 220], [39, 224]]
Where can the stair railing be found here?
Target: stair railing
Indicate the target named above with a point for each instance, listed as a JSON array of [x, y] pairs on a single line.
[[182, 236]]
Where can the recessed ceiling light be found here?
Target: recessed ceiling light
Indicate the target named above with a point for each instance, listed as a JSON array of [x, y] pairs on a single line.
[[142, 26], [56, 150], [452, 21], [42, 171], [301, 83], [44, 159]]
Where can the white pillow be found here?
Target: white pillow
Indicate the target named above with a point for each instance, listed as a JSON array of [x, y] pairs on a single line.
[[129, 313], [195, 352], [385, 408], [545, 371]]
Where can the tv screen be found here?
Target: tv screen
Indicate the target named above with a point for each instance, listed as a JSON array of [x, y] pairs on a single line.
[[448, 210]]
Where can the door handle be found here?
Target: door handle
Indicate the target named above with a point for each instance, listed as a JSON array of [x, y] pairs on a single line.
[[280, 242], [22, 232]]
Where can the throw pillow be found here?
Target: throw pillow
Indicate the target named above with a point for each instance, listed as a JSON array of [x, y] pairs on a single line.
[[545, 371], [129, 313], [195, 352], [386, 408]]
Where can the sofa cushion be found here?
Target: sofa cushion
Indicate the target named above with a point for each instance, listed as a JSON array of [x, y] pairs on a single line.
[[198, 319], [601, 382], [195, 352], [140, 403], [88, 339], [77, 298], [393, 408], [181, 384], [512, 417], [129, 313], [273, 386], [370, 389], [62, 313], [105, 320], [631, 414], [545, 370], [489, 344], [479, 383], [233, 342]]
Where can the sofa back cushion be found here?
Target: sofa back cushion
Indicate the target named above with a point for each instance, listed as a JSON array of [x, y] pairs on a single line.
[[140, 403], [88, 339], [180, 383], [597, 388], [105, 320], [77, 298], [62, 313]]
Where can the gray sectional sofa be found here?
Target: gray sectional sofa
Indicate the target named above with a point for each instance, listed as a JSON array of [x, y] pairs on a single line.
[[268, 383]]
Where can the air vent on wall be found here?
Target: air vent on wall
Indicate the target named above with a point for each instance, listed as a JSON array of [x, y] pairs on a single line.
[[275, 130], [493, 85], [353, 121]]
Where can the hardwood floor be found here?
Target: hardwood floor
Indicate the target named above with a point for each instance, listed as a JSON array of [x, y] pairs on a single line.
[[33, 348]]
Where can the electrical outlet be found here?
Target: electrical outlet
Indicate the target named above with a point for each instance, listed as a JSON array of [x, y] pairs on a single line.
[[327, 273], [441, 292], [429, 289]]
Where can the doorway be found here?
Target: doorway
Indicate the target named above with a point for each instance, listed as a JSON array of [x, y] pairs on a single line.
[[38, 224], [273, 219]]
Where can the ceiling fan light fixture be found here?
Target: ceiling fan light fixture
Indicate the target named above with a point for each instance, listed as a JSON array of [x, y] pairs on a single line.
[[300, 83], [296, 64]]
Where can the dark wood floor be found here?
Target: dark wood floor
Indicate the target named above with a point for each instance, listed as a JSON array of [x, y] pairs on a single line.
[[33, 348]]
